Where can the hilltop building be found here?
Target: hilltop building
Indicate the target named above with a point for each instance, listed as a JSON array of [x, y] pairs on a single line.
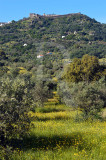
[[49, 15], [2, 23], [32, 15]]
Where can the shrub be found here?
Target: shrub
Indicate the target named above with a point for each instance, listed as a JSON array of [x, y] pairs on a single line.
[[85, 69], [88, 97], [15, 101]]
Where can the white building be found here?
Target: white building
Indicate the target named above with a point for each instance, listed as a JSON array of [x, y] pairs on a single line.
[[39, 56], [63, 36], [25, 45]]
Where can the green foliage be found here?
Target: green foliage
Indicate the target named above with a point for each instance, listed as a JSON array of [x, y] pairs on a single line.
[[27, 82], [3, 70], [2, 55], [15, 101], [85, 69], [90, 66], [77, 28], [40, 93], [14, 72], [89, 97]]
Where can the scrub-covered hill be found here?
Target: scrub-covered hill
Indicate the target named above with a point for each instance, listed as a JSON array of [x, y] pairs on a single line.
[[73, 35]]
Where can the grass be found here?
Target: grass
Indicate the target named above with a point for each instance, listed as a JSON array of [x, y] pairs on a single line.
[[55, 135]]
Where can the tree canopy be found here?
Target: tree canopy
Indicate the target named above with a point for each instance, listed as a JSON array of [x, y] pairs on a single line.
[[85, 69]]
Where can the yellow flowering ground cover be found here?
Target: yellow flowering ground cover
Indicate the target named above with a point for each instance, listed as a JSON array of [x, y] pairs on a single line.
[[56, 135]]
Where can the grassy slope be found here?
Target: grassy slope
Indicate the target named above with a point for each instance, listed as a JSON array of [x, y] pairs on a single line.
[[56, 136]]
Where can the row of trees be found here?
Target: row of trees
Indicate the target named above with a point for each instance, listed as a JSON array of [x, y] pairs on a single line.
[[84, 86]]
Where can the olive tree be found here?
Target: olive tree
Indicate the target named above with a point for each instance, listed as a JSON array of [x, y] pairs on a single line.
[[15, 101], [40, 93], [90, 98]]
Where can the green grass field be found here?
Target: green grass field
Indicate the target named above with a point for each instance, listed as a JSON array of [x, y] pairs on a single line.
[[56, 135]]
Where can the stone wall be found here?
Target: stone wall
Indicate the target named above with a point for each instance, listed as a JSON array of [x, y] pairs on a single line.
[[32, 15]]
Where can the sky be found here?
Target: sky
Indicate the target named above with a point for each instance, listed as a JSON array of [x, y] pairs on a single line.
[[18, 9]]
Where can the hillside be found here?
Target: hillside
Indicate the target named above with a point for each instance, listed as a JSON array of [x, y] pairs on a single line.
[[71, 35], [52, 88]]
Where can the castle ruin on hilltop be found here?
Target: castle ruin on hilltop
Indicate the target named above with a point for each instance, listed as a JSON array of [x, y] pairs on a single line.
[[32, 15]]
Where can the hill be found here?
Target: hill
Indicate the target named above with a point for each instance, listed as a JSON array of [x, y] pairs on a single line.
[[42, 83], [72, 35]]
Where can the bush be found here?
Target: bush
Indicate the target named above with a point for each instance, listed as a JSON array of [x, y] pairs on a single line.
[[85, 69], [15, 101], [88, 97]]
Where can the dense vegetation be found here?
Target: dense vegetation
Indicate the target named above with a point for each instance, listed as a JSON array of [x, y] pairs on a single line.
[[68, 79], [81, 34]]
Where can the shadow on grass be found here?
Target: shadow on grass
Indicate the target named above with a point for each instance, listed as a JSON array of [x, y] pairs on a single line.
[[48, 118], [53, 142], [49, 110]]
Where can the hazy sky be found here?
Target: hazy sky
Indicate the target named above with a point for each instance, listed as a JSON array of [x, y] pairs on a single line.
[[17, 9]]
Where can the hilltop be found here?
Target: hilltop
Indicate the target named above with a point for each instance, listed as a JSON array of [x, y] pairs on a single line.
[[33, 15], [72, 35]]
